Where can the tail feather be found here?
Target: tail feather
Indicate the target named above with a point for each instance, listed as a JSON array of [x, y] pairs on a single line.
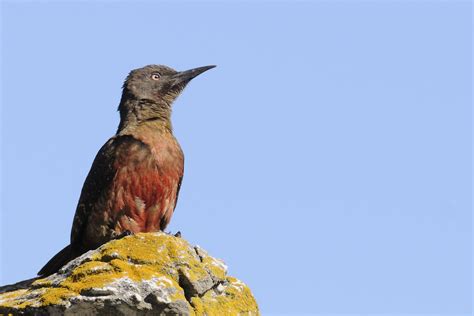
[[56, 262]]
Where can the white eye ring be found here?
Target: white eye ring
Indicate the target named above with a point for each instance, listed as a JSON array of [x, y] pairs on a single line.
[[155, 76]]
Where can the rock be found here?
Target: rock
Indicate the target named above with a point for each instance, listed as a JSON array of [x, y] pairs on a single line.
[[143, 274]]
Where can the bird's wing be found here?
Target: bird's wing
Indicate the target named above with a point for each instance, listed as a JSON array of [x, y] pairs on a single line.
[[100, 179], [177, 191]]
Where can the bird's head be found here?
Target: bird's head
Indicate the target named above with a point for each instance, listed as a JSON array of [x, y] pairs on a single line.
[[149, 92]]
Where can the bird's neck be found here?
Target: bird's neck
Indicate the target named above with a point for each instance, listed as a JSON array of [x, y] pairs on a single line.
[[140, 114]]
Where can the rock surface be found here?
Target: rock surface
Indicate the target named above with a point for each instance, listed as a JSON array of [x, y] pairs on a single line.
[[143, 274]]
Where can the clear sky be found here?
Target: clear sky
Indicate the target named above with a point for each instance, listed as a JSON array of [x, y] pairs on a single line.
[[328, 156]]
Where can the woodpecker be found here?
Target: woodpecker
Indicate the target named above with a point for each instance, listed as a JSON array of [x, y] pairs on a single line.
[[134, 181]]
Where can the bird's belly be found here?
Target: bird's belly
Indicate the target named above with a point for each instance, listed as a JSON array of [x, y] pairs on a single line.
[[140, 217], [146, 204], [139, 202]]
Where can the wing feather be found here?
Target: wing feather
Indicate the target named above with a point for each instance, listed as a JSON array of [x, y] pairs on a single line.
[[96, 189], [129, 187]]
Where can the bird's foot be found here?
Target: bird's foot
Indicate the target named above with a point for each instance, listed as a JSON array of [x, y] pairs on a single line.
[[178, 234], [123, 234]]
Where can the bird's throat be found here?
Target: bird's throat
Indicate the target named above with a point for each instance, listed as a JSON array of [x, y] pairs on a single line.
[[137, 114]]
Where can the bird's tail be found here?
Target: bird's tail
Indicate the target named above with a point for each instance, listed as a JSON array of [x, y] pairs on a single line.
[[56, 262]]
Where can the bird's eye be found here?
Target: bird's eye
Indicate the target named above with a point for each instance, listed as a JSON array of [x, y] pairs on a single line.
[[155, 76]]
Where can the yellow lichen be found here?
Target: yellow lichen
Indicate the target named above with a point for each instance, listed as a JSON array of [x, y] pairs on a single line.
[[9, 299], [55, 295], [41, 283], [236, 298], [215, 268], [157, 257], [151, 255]]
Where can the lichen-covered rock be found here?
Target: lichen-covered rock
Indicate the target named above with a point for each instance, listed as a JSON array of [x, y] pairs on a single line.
[[143, 274]]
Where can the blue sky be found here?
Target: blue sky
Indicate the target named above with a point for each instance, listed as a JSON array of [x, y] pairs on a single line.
[[328, 156]]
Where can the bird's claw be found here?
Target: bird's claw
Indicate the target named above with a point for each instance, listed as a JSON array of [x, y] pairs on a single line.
[[123, 234], [177, 234]]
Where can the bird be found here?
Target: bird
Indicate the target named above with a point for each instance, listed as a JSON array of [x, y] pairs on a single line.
[[135, 178]]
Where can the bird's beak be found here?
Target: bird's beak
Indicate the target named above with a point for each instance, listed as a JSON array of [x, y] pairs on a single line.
[[187, 75]]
